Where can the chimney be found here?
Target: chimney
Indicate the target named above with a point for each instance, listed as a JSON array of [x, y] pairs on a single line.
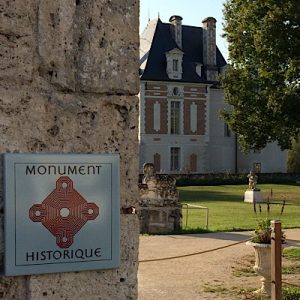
[[177, 29], [209, 47]]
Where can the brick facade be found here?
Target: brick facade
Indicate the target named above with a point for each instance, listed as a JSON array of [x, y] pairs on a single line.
[[195, 89], [188, 105], [155, 93], [149, 116], [191, 97], [200, 117], [158, 87], [199, 93]]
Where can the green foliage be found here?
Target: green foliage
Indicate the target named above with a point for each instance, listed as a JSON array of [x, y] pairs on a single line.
[[291, 293], [262, 82], [229, 212], [214, 179], [293, 164], [262, 233], [293, 269], [215, 289], [292, 253]]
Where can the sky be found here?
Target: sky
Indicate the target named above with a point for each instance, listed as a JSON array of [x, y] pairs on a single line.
[[192, 12]]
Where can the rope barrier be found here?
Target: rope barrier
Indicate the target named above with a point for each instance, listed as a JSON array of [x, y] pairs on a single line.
[[297, 241], [294, 243], [193, 254], [291, 284], [205, 251]]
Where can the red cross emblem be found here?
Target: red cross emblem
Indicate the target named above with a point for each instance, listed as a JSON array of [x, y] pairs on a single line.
[[64, 212]]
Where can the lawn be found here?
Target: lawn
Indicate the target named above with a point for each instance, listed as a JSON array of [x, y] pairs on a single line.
[[228, 211]]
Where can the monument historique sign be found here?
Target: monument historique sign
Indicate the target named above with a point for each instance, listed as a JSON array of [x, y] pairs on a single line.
[[61, 212]]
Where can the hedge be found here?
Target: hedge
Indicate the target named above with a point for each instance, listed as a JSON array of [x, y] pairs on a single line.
[[227, 178]]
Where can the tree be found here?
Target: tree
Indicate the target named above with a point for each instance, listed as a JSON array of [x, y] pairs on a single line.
[[262, 81], [293, 163]]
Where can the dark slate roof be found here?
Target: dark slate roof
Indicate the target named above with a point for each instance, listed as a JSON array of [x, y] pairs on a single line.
[[192, 47]]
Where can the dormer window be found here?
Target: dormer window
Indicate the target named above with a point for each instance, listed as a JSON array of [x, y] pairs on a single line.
[[174, 64]]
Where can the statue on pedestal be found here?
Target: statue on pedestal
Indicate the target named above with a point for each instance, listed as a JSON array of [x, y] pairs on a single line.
[[253, 194], [252, 180]]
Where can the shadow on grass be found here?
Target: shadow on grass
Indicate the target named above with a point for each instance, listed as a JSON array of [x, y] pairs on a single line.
[[192, 230], [204, 196], [229, 236]]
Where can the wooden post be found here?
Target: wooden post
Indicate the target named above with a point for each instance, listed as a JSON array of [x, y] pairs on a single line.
[[187, 215], [276, 248], [207, 210]]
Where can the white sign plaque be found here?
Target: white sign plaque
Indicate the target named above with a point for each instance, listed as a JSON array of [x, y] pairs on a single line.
[[61, 212]]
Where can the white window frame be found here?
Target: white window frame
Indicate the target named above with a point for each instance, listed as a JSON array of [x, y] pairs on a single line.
[[193, 117], [180, 101], [179, 159], [175, 65], [156, 116]]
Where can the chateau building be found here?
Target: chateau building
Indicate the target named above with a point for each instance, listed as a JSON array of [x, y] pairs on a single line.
[[180, 100]]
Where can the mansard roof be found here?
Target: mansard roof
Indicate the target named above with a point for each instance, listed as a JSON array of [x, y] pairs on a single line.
[[192, 47]]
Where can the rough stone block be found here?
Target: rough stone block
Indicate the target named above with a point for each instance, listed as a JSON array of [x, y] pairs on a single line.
[[67, 122], [69, 70], [156, 220], [71, 123], [83, 47], [75, 45], [17, 43]]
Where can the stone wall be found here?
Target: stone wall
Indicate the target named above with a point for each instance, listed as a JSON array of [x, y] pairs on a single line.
[[68, 80]]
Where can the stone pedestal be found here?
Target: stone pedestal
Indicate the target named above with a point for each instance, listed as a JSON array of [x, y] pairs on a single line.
[[159, 208], [158, 220], [250, 195]]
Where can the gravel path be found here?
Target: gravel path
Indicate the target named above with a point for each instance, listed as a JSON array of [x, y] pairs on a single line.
[[204, 276]]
